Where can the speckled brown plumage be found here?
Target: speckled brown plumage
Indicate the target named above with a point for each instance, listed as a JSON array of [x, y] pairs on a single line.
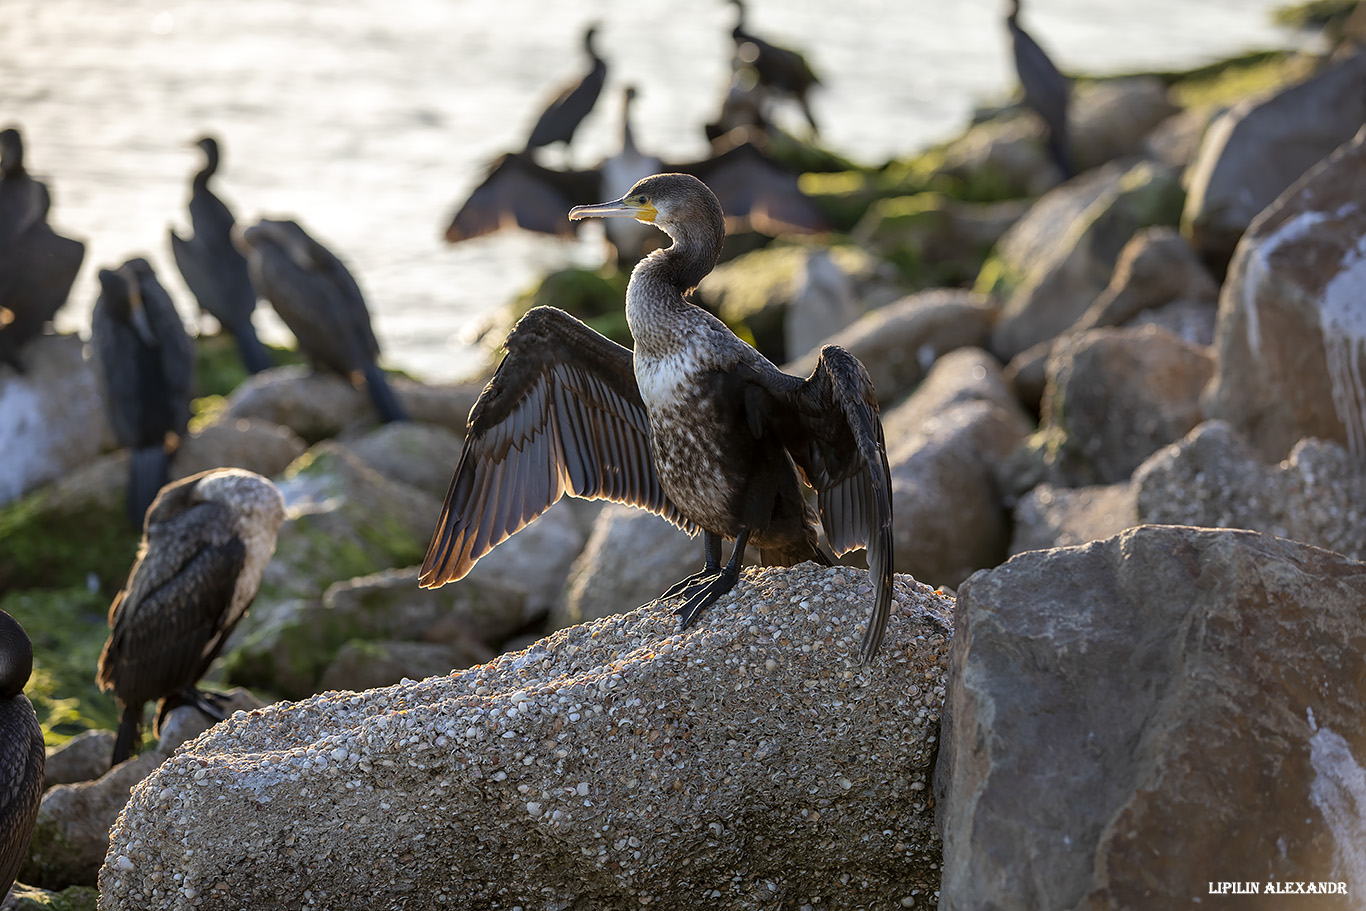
[[21, 751], [208, 538], [694, 425]]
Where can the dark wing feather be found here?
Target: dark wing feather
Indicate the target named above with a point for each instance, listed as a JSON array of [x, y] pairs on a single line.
[[520, 192], [561, 415], [169, 622], [832, 429], [756, 192]]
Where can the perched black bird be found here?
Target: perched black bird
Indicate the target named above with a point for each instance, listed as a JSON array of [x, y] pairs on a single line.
[[695, 426], [321, 304], [147, 364], [779, 70], [1045, 89], [756, 192], [207, 540], [22, 755], [213, 268], [37, 265], [567, 109]]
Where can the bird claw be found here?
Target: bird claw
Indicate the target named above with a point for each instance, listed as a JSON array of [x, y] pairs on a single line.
[[701, 594]]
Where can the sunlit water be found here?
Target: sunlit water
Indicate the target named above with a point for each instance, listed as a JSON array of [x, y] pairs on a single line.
[[369, 120]]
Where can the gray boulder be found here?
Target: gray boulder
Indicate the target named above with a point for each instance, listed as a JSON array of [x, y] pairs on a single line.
[[1213, 478], [1291, 336], [1053, 264], [419, 455], [250, 443], [1130, 719], [1114, 397], [1111, 118], [749, 762], [898, 343], [1260, 146], [81, 758], [944, 447], [52, 417]]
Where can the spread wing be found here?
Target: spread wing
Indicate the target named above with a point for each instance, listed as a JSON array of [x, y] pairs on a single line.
[[830, 425], [562, 414], [520, 192]]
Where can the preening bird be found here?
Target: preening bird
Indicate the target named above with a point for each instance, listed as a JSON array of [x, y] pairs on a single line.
[[756, 192], [37, 265], [568, 108], [147, 364], [1046, 90], [320, 302], [213, 268], [22, 755], [207, 540], [694, 425]]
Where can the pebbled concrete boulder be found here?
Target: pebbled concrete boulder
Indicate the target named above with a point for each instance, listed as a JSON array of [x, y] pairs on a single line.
[[1131, 719], [747, 763], [1291, 334]]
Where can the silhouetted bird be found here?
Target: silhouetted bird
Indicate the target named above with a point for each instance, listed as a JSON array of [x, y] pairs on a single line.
[[567, 109], [1045, 89], [22, 755], [695, 426], [207, 540], [214, 269], [779, 70], [756, 192], [322, 305], [147, 363], [37, 265]]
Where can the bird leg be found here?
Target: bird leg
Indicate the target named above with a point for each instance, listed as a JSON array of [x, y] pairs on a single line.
[[711, 550], [706, 590]]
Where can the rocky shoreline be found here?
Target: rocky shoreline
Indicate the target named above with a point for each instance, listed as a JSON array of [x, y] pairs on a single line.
[[1129, 479]]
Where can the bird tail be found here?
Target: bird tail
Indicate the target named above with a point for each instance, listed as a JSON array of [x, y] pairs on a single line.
[[147, 474], [253, 353], [382, 394], [129, 735]]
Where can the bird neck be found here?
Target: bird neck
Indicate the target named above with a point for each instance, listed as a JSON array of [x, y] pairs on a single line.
[[657, 309]]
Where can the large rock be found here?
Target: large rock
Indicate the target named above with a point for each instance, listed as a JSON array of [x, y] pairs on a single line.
[[52, 417], [420, 455], [749, 762], [1155, 268], [1051, 516], [1059, 257], [898, 343], [1130, 720], [1114, 397], [1291, 336], [944, 446], [1213, 478], [1261, 146]]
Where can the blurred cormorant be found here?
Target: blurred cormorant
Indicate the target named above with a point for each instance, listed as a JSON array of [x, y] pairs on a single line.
[[214, 269], [695, 425], [779, 70], [37, 265], [567, 109], [147, 363], [322, 305], [207, 540]]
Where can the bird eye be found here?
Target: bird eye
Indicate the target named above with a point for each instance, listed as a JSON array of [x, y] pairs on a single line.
[[640, 199]]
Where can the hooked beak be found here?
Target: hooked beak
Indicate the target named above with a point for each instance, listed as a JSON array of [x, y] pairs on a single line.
[[621, 208], [136, 311]]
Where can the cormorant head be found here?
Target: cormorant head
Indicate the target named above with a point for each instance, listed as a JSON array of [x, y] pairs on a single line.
[[677, 204], [16, 657], [11, 151], [588, 37]]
